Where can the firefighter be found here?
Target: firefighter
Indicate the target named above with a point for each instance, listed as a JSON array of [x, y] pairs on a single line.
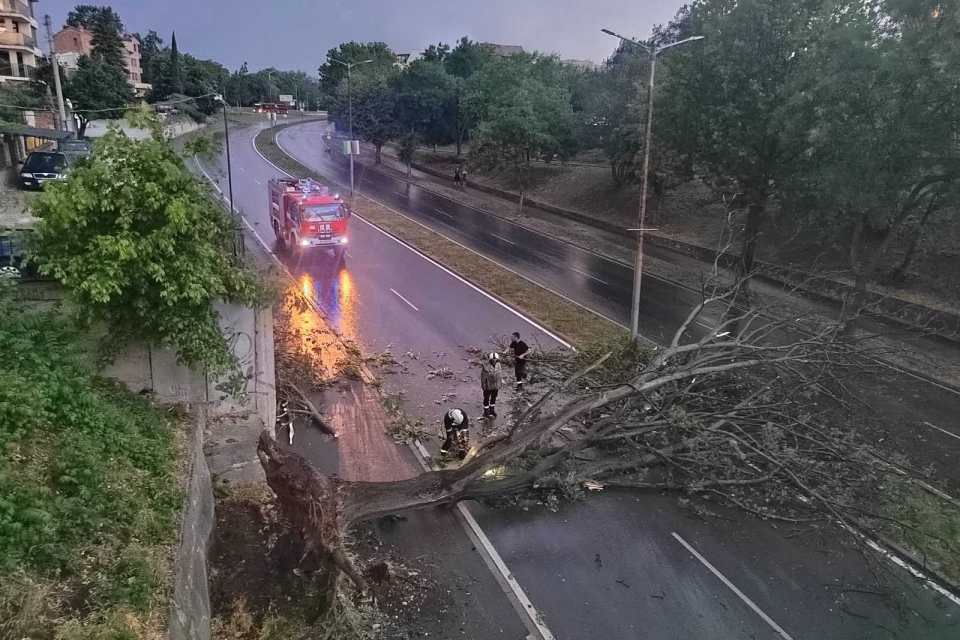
[[457, 426], [520, 352], [490, 376]]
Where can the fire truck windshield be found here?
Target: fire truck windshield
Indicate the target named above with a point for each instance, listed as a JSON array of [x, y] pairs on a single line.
[[319, 212]]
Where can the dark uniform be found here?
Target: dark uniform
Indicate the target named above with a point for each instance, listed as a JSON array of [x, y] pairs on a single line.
[[520, 351], [457, 425]]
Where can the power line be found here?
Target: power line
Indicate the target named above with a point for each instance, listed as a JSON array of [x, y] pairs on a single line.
[[14, 106]]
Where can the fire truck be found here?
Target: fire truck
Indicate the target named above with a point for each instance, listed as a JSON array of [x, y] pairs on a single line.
[[304, 214]]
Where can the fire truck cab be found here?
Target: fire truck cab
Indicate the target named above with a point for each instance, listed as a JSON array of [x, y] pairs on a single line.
[[304, 214]]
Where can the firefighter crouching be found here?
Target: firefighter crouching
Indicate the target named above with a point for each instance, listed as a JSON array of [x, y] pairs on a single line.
[[457, 426]]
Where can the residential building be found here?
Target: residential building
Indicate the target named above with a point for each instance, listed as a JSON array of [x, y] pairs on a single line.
[[501, 49], [79, 40], [19, 52], [404, 59]]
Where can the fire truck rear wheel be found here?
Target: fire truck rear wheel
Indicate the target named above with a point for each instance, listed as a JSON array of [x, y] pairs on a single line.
[[338, 252]]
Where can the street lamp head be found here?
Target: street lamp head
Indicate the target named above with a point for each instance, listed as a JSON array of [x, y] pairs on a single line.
[[609, 33], [366, 62]]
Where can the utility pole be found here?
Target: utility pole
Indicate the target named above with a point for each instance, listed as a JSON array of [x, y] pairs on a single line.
[[48, 23], [226, 137], [350, 66], [651, 49]]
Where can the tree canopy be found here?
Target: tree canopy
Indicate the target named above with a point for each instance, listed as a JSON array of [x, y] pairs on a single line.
[[140, 244], [331, 73], [97, 86]]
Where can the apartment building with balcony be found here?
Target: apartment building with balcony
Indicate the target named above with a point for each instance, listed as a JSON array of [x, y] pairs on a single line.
[[79, 41], [19, 53]]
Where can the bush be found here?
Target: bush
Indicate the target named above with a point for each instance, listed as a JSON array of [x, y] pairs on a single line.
[[88, 492]]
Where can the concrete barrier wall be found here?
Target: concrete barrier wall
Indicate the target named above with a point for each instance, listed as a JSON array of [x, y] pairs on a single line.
[[190, 608]]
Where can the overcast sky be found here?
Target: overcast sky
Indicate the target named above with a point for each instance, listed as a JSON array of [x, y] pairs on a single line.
[[296, 34]]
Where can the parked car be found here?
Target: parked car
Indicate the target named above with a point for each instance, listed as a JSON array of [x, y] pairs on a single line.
[[43, 166], [75, 149]]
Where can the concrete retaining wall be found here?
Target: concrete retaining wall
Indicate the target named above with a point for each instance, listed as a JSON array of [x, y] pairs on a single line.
[[190, 608]]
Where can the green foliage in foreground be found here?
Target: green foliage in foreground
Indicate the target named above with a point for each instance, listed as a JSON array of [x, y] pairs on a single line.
[[88, 495], [141, 246]]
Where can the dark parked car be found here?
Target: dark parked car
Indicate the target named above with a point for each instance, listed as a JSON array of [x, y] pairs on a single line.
[[75, 148], [43, 166]]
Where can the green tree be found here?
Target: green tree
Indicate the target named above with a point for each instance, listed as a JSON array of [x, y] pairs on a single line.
[[140, 245], [525, 116], [96, 87], [16, 95], [107, 40], [86, 16], [373, 110], [436, 53], [466, 59], [721, 97], [151, 46], [176, 72], [879, 109], [332, 73], [422, 94]]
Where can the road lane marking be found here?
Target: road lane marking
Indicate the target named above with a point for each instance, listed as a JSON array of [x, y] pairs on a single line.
[[740, 594], [443, 213], [348, 255], [402, 195], [504, 239], [242, 169], [895, 559], [404, 299], [491, 558], [242, 217], [589, 276], [258, 182], [448, 271], [933, 426]]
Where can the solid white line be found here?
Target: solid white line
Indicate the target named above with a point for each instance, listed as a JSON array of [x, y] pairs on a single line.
[[446, 270], [498, 565], [904, 565], [952, 435], [589, 276], [404, 299], [348, 255], [443, 213], [733, 588], [504, 239], [242, 217]]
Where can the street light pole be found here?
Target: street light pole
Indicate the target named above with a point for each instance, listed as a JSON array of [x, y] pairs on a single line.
[[648, 134], [350, 66]]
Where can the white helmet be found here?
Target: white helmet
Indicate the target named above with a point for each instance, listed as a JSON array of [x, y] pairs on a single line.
[[494, 356], [456, 416]]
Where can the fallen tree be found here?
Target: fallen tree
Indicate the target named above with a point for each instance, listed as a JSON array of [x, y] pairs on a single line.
[[739, 404]]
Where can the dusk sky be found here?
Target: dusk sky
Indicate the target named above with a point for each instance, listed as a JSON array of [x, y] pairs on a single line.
[[296, 34]]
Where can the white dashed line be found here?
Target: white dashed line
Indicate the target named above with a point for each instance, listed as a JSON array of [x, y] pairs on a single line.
[[443, 213], [588, 275], [402, 195], [404, 299], [932, 426], [258, 182], [740, 594], [242, 169], [504, 239]]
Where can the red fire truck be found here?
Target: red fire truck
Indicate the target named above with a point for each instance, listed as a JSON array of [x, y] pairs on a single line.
[[305, 214]]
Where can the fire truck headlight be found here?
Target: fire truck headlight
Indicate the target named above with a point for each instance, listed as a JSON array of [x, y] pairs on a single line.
[[336, 196], [343, 241], [305, 243]]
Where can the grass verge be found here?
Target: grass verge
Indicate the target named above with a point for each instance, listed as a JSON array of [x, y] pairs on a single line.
[[89, 494], [577, 324]]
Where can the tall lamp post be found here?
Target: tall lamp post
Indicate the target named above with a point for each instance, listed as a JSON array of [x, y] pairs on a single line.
[[350, 66], [226, 137], [653, 50]]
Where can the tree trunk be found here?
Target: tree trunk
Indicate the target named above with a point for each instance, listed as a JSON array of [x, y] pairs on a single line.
[[520, 208], [751, 232], [459, 141], [899, 273], [859, 274], [378, 147]]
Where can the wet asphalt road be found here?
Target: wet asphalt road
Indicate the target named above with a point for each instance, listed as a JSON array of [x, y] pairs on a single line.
[[569, 563], [922, 417]]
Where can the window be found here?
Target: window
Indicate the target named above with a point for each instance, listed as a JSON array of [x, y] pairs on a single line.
[[6, 69]]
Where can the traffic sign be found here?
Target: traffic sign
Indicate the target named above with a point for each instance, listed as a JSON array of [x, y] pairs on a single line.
[[351, 147]]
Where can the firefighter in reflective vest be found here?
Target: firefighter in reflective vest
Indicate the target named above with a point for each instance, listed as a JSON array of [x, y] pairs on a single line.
[[457, 426]]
